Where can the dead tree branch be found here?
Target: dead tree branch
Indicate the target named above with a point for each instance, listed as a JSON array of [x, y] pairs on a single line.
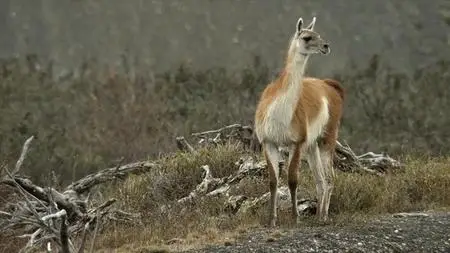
[[238, 132], [50, 217], [23, 154], [183, 145], [86, 183], [204, 187], [211, 186], [377, 164], [64, 235]]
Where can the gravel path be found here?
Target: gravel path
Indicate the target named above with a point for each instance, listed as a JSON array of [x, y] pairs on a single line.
[[418, 233]]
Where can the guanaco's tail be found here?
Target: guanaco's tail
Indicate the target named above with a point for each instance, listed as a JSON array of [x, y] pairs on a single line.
[[337, 86]]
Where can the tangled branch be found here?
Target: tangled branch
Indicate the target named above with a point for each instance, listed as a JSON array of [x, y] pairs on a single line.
[[49, 217]]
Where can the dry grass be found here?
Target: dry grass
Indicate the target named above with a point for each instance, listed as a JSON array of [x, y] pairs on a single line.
[[423, 185], [180, 173], [9, 242]]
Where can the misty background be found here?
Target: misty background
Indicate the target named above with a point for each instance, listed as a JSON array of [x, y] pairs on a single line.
[[205, 33]]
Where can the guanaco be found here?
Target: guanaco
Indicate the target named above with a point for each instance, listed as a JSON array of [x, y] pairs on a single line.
[[302, 115]]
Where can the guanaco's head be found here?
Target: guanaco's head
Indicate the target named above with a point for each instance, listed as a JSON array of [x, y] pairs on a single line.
[[306, 41]]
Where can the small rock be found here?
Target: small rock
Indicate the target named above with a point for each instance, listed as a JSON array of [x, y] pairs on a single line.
[[227, 243], [270, 239], [174, 241]]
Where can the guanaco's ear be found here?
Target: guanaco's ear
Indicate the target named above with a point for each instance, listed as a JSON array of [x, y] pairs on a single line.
[[299, 24], [311, 26]]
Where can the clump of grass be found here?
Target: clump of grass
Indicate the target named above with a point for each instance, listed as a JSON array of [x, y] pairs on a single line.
[[422, 185], [179, 174]]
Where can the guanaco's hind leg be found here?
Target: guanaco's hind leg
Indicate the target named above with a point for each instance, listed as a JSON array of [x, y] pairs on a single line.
[[327, 163], [293, 164], [326, 157], [273, 157], [315, 164]]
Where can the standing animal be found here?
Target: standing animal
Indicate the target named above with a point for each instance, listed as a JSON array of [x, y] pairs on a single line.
[[303, 115]]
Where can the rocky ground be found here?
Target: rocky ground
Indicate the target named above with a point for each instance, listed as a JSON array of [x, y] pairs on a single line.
[[423, 232]]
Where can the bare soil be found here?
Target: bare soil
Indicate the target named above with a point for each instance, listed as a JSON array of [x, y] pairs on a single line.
[[429, 233]]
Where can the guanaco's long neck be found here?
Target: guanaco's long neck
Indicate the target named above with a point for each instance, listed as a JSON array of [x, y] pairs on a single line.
[[295, 69]]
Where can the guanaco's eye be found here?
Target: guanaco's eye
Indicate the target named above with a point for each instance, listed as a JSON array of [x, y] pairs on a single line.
[[307, 38]]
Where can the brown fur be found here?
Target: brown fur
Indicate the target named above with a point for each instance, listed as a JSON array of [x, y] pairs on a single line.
[[335, 84], [309, 103]]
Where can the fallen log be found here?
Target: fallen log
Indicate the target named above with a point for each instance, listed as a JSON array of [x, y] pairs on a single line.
[[120, 172]]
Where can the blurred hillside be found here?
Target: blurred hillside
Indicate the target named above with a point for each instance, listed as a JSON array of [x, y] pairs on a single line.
[[161, 34], [139, 73]]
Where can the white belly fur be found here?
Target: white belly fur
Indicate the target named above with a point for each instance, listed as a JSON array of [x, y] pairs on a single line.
[[276, 125], [316, 127]]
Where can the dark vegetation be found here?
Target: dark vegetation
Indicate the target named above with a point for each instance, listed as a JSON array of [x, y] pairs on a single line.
[[95, 116]]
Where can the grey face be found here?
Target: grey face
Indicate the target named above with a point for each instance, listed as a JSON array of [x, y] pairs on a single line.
[[309, 42]]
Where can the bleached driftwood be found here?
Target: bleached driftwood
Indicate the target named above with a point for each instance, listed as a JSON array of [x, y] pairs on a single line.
[[377, 164], [211, 186], [208, 183], [120, 172], [244, 134], [238, 204], [23, 154], [51, 217], [304, 206]]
